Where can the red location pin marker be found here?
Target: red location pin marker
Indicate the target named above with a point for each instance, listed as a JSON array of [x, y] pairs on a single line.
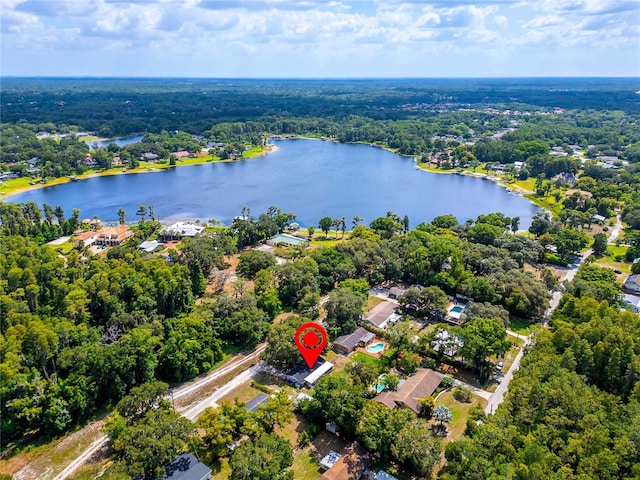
[[310, 339]]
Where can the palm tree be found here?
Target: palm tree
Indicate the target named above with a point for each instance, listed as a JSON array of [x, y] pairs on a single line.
[[59, 213], [122, 216], [356, 220], [343, 226], [142, 211]]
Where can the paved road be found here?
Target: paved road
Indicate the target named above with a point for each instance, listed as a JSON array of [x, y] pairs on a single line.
[[192, 413], [211, 401], [498, 396]]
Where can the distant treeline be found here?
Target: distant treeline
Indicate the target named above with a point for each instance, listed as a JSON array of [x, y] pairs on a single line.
[[123, 106]]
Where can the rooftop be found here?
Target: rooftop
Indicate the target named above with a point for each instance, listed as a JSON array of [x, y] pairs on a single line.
[[258, 400], [187, 467], [379, 314], [184, 229], [351, 465], [285, 238], [351, 341], [418, 386]]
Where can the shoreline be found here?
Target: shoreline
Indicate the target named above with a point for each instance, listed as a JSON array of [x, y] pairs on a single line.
[[148, 168]]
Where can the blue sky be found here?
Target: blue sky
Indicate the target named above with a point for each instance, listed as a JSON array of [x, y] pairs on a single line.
[[320, 38]]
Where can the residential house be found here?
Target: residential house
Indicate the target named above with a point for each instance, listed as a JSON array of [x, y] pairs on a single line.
[[632, 284], [180, 230], [348, 343], [181, 154], [446, 343], [598, 218], [187, 467], [8, 175], [568, 178], [382, 314], [112, 236], [149, 157], [85, 239], [286, 240], [583, 193], [420, 385], [518, 165], [351, 464], [395, 292], [302, 376]]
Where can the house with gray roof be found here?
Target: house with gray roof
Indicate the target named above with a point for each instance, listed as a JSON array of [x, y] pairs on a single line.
[[348, 343], [187, 467]]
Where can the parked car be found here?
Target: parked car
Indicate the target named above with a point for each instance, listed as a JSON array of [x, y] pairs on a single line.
[[618, 271], [499, 366]]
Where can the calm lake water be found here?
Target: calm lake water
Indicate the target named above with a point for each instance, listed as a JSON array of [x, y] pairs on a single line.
[[121, 142], [311, 178]]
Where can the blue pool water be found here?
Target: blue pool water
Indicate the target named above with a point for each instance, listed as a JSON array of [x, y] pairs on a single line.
[[457, 309], [378, 347]]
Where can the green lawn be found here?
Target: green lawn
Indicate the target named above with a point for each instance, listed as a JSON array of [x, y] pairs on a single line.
[[520, 326], [305, 467], [367, 360], [459, 412]]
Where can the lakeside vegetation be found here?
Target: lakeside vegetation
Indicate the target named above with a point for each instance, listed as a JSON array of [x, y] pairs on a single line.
[[82, 334]]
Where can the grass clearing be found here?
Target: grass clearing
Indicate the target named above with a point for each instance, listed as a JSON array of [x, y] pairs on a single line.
[[305, 466], [520, 326], [459, 412], [221, 469], [46, 460], [365, 359], [372, 302]]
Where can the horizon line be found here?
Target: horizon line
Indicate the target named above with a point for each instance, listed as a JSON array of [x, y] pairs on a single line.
[[506, 77]]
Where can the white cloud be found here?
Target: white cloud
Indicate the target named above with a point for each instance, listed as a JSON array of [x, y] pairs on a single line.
[[310, 33]]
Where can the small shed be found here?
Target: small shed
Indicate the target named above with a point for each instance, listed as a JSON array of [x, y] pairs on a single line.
[[258, 400]]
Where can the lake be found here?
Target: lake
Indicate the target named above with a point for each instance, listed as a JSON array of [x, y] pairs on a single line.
[[311, 178], [121, 142]]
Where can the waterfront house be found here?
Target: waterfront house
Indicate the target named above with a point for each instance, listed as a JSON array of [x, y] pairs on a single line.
[[112, 236], [149, 157], [85, 239], [180, 230]]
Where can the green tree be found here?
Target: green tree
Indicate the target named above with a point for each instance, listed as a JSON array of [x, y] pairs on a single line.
[[149, 445], [344, 310], [325, 225], [482, 338], [122, 216], [267, 457], [253, 261], [198, 282], [415, 446], [141, 400], [276, 411], [142, 212], [599, 243]]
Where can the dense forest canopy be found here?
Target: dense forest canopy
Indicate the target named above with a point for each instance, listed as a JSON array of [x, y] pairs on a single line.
[[81, 332]]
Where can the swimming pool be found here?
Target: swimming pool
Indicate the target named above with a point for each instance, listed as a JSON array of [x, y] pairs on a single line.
[[381, 384], [457, 309], [376, 348]]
